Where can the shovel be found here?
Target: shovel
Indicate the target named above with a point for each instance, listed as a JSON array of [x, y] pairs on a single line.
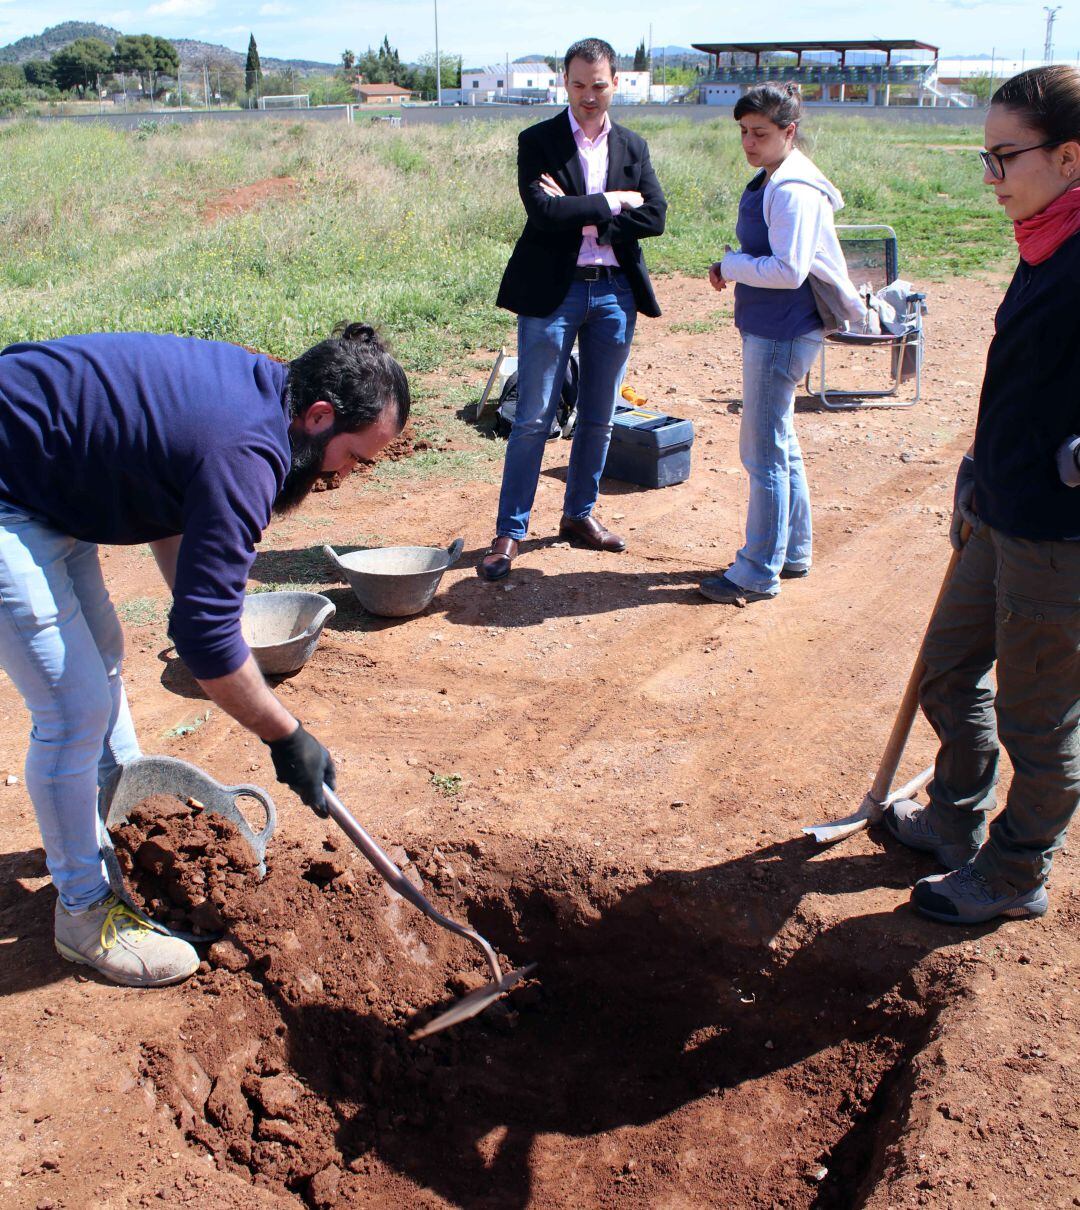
[[873, 805], [473, 1003]]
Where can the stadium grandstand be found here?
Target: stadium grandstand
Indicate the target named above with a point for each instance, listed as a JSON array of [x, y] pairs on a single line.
[[878, 71]]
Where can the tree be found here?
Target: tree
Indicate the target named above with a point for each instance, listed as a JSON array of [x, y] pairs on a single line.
[[348, 63], [979, 87], [12, 76], [81, 63], [424, 79], [145, 55], [39, 73], [641, 57], [252, 67]]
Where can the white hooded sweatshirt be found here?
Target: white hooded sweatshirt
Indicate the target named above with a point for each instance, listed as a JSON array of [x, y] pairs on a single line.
[[798, 207]]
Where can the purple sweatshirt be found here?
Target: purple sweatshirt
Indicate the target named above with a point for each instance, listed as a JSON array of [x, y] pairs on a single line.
[[129, 437]]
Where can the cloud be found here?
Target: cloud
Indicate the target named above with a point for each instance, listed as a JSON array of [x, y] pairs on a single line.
[[275, 9], [182, 8]]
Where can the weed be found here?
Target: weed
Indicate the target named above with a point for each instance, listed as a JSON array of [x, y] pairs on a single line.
[[182, 729], [448, 784], [699, 327], [141, 611]]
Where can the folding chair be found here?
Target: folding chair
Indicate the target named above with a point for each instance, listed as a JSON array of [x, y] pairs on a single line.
[[872, 257]]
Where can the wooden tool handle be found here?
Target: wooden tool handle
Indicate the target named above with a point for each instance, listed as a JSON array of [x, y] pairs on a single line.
[[909, 705]]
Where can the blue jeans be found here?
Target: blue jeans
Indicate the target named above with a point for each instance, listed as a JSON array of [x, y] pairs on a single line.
[[600, 316], [62, 646], [778, 528]]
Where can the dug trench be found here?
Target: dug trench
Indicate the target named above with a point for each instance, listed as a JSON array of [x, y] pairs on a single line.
[[707, 1036]]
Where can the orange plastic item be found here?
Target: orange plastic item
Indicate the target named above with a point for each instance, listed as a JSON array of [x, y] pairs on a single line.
[[632, 397]]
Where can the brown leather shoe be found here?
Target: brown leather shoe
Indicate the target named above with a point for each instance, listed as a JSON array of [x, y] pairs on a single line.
[[495, 565], [589, 532]]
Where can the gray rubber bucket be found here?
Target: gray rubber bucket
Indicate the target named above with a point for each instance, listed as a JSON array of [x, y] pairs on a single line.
[[147, 775], [395, 581], [283, 628]]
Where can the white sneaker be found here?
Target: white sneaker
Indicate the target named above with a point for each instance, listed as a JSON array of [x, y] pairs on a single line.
[[122, 945]]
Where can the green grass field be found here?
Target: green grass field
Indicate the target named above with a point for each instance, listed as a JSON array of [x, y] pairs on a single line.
[[408, 228]]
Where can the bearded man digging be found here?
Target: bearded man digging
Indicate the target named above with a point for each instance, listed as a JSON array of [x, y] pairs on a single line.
[[189, 445]]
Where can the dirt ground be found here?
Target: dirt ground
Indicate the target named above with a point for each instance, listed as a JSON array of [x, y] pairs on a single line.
[[607, 775]]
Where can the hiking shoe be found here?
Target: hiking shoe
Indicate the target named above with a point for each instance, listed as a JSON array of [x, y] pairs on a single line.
[[122, 945], [726, 592], [966, 897], [791, 571], [911, 824]]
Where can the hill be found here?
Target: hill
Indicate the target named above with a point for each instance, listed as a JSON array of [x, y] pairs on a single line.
[[192, 51], [56, 37]]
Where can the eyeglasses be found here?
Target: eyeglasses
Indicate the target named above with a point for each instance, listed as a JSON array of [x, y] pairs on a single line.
[[994, 162]]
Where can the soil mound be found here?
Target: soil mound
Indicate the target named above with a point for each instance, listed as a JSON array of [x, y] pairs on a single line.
[[181, 863], [655, 995]]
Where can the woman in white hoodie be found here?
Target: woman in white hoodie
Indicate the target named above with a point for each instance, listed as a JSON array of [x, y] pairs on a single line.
[[787, 237]]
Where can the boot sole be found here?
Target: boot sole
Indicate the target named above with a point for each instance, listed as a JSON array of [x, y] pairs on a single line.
[[1017, 913], [115, 977]]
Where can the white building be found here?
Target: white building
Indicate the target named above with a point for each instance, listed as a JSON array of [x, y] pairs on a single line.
[[504, 81], [537, 82]]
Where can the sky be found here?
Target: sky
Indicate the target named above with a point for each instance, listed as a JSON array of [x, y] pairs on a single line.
[[485, 31]]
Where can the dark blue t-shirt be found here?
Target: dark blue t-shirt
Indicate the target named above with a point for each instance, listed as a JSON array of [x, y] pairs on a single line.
[[759, 311], [129, 437]]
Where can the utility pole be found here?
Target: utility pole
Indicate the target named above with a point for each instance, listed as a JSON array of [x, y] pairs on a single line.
[[1051, 17], [438, 61]]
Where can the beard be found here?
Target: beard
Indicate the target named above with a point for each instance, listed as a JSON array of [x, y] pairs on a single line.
[[307, 460]]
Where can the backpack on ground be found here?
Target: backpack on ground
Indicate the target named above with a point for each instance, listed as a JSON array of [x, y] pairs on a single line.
[[565, 418]]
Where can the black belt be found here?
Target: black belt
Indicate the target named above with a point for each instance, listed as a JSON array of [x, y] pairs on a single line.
[[596, 272]]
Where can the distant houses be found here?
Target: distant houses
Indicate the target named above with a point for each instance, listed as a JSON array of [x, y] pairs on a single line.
[[537, 82], [382, 94]]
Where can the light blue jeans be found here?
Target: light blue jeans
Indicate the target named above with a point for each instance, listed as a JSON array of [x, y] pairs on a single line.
[[778, 527], [600, 316], [62, 646]]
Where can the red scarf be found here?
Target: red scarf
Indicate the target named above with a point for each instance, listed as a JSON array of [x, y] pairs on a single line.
[[1043, 234]]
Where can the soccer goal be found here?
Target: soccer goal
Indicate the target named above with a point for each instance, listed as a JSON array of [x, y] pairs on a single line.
[[300, 100]]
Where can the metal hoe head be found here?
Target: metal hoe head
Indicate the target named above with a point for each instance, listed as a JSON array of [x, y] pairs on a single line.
[[476, 1001], [472, 1004]]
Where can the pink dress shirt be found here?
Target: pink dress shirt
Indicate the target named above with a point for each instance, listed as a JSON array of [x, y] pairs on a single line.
[[593, 154]]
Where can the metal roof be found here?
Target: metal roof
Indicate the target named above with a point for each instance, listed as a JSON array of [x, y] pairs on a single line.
[[761, 48]]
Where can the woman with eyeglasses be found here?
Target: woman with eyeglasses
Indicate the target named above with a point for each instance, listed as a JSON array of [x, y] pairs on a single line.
[[1014, 598], [789, 258]]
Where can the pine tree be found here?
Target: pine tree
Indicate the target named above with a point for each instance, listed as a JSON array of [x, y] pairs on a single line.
[[252, 68], [641, 57]]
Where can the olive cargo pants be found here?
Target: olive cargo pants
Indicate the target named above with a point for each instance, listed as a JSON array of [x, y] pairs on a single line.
[[1015, 603]]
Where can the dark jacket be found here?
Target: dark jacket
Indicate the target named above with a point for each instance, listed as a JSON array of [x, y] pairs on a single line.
[[542, 265], [1031, 402]]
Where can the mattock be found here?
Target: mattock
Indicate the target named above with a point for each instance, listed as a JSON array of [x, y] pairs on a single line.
[[476, 1001], [873, 805]]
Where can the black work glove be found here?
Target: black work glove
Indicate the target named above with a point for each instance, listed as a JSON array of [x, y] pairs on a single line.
[[963, 503], [303, 764]]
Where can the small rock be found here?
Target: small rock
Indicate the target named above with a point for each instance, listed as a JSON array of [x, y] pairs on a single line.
[[227, 954], [323, 1186], [11, 780], [279, 1096]]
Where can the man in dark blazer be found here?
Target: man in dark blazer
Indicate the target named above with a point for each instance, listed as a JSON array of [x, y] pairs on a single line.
[[577, 272]]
